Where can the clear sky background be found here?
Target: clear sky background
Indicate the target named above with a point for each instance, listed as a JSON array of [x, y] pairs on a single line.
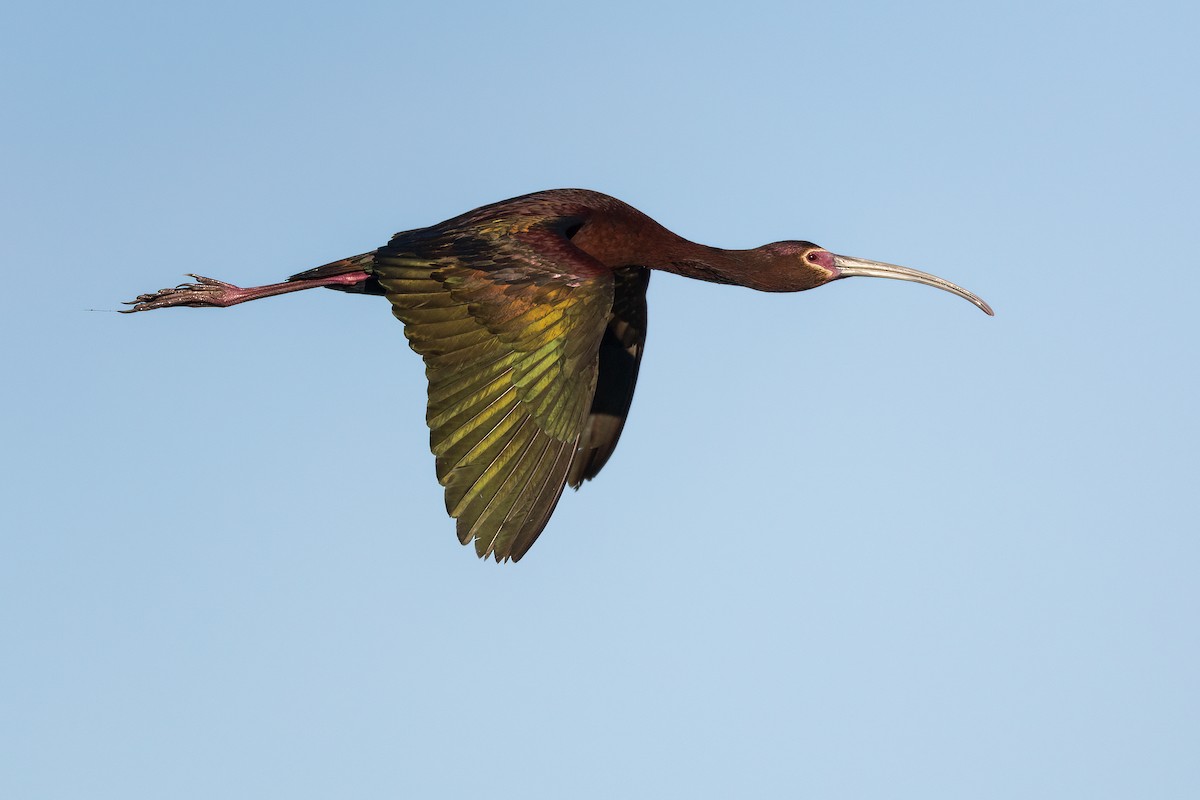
[[858, 542]]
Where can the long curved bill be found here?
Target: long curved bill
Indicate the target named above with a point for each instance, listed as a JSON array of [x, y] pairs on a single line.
[[848, 267]]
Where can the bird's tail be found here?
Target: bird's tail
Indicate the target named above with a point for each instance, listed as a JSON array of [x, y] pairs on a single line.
[[361, 263]]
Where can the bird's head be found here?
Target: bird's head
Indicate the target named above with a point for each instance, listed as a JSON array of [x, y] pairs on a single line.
[[796, 266]]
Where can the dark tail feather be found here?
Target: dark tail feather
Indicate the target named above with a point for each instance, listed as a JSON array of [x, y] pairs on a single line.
[[360, 263]]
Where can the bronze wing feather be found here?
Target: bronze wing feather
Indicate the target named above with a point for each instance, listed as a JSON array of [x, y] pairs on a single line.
[[509, 317]]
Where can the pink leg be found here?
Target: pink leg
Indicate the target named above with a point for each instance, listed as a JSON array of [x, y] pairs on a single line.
[[218, 294]]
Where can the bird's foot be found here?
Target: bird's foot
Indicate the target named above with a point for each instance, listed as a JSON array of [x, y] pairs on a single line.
[[205, 292]]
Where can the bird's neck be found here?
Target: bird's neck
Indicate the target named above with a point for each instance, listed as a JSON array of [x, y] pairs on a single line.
[[738, 267], [648, 244]]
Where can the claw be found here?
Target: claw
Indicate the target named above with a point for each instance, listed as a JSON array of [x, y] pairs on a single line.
[[205, 292]]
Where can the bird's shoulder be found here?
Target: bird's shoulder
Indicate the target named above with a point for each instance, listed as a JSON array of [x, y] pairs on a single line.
[[523, 240]]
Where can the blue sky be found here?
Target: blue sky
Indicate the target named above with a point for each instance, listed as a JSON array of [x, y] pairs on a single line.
[[858, 542]]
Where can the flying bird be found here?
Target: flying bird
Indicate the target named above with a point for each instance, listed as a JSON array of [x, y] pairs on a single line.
[[530, 315]]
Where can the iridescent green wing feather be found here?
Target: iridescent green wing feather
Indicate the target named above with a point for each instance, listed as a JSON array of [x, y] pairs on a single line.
[[509, 319]]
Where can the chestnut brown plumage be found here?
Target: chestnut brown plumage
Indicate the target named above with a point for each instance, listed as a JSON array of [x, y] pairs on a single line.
[[531, 317]]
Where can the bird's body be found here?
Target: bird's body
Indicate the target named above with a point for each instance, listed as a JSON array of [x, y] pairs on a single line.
[[531, 317]]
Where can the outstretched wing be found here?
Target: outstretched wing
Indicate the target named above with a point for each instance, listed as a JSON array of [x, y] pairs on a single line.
[[509, 318], [620, 356]]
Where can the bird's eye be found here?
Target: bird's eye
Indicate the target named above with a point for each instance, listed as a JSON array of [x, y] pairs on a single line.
[[812, 256]]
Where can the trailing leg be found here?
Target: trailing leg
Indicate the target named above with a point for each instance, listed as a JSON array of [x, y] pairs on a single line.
[[212, 293]]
